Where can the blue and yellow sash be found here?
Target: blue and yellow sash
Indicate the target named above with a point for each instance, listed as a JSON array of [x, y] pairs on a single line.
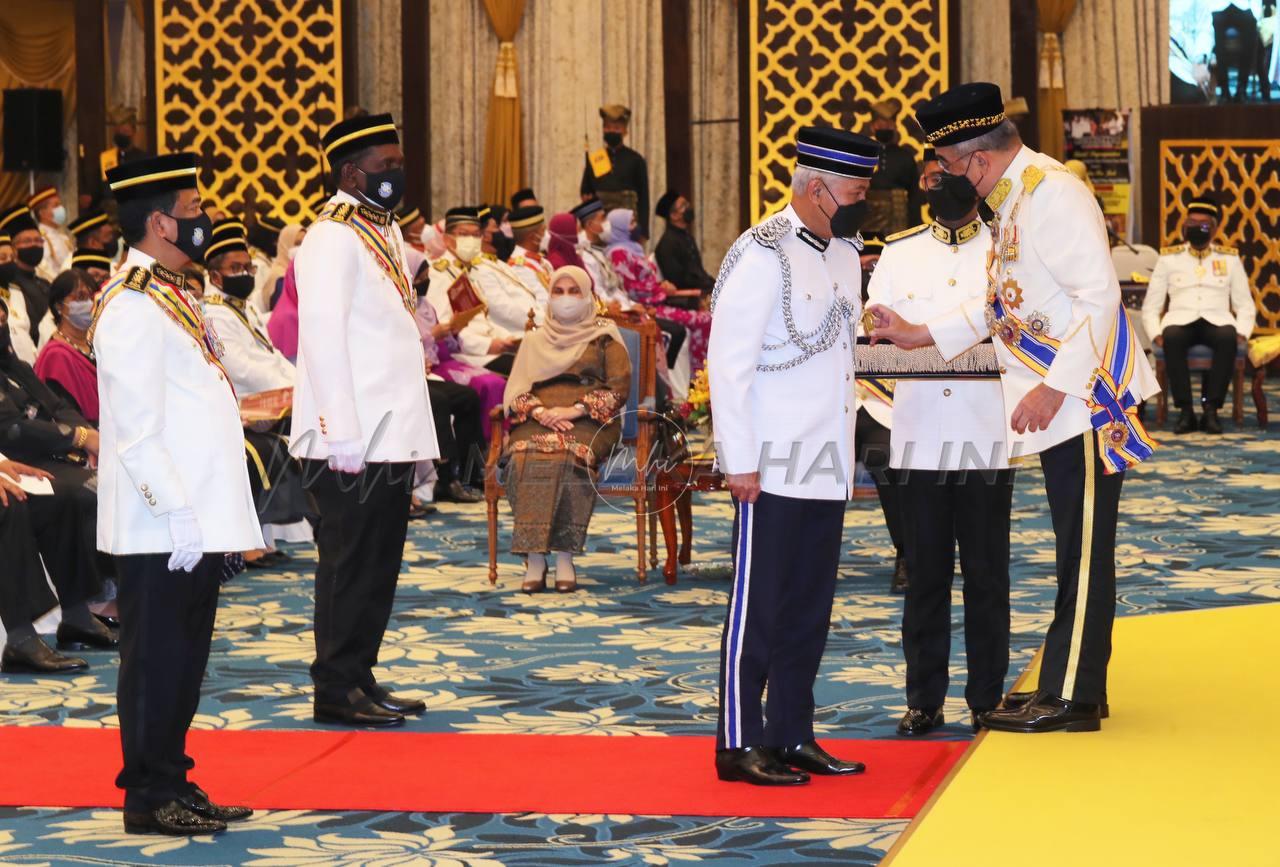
[[365, 222], [237, 307], [880, 389]]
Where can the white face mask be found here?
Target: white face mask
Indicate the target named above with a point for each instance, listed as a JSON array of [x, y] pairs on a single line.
[[606, 233], [468, 247], [545, 243], [60, 215], [568, 309]]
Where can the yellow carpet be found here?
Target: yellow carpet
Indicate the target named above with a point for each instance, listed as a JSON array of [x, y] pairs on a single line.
[[1186, 771]]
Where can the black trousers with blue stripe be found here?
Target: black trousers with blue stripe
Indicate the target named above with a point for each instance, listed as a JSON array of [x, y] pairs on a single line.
[[786, 552]]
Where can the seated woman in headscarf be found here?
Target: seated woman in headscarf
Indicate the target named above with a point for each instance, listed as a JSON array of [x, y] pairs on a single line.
[[641, 280], [567, 386], [66, 363], [267, 293]]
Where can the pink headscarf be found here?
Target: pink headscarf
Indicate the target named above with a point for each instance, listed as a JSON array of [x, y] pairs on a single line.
[[283, 325], [562, 244]]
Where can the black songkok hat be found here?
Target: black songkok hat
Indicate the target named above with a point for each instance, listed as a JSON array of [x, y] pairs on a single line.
[[668, 199], [460, 216], [17, 219], [837, 152], [527, 217], [228, 237], [521, 195], [87, 222], [91, 259], [141, 179], [961, 113], [872, 245], [349, 136], [1204, 204], [408, 216], [586, 209]]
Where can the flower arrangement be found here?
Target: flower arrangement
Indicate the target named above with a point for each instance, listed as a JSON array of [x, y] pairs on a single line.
[[696, 410]]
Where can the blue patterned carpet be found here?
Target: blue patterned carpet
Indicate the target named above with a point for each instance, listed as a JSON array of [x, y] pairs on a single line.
[[1199, 529]]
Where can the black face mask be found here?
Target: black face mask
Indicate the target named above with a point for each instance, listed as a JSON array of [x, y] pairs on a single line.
[[688, 214], [1198, 236], [383, 189], [193, 235], [7, 272], [238, 285], [886, 136], [122, 141], [613, 139], [31, 256], [847, 219], [5, 343], [953, 199], [503, 246]]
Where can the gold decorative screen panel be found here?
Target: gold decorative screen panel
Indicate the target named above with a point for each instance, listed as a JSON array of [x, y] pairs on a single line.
[[250, 85], [1245, 176], [823, 62]]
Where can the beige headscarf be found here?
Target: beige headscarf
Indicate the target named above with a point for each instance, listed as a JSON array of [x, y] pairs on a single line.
[[555, 347], [287, 241]]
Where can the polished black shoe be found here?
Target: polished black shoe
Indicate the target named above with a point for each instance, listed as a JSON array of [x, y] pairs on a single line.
[[1046, 713], [814, 759], [975, 718], [73, 637], [198, 802], [33, 656], [357, 710], [1018, 699], [898, 585], [172, 819], [919, 721], [404, 706], [755, 765], [1187, 422], [108, 621], [1209, 421], [454, 492]]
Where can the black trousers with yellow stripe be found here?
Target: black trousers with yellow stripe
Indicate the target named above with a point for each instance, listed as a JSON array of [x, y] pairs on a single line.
[[1083, 503]]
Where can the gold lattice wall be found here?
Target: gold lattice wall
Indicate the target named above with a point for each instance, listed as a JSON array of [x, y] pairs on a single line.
[[250, 85], [1245, 174], [822, 62]]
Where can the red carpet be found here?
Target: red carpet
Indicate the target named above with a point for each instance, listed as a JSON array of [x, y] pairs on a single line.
[[52, 766]]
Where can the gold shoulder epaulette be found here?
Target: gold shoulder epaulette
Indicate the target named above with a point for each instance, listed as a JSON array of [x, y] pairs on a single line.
[[1225, 250], [339, 212], [441, 264], [906, 233], [137, 279], [1031, 178], [1176, 248]]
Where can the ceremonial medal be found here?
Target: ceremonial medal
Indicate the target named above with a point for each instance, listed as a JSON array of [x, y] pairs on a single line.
[[868, 322], [1012, 293], [1219, 267], [1009, 244], [1199, 270]]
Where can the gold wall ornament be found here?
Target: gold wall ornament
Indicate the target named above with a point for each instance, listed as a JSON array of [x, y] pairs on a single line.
[[250, 85], [822, 62], [1245, 173]]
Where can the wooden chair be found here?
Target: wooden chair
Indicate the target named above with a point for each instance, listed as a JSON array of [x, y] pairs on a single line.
[[628, 474], [1200, 359]]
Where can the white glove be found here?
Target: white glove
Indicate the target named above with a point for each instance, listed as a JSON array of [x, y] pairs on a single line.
[[346, 456], [188, 543]]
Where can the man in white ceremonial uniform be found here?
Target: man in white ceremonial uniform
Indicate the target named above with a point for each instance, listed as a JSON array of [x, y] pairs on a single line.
[[16, 304], [484, 342], [1072, 374], [361, 415], [948, 449], [50, 215], [528, 262], [511, 291], [173, 494], [780, 361], [1209, 304]]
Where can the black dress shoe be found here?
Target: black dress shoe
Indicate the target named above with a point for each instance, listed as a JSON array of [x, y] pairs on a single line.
[[975, 717], [1018, 699], [898, 585], [1209, 421], [456, 493], [395, 704], [172, 819], [73, 637], [33, 656], [1046, 713], [198, 802], [814, 759], [920, 721], [1186, 422], [755, 765], [357, 710], [108, 621]]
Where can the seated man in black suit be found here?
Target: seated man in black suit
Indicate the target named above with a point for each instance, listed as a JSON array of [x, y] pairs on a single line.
[[39, 428]]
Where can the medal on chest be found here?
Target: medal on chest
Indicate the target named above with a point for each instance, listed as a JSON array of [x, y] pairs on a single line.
[[1009, 243], [1219, 268]]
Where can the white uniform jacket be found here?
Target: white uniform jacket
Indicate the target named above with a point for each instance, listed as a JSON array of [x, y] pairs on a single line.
[[794, 425], [361, 372], [1061, 279], [170, 433], [253, 364], [474, 340], [19, 324], [1210, 285], [510, 292], [940, 424]]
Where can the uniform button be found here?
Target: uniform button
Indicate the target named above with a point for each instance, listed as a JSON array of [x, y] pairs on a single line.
[[846, 410], [951, 282], [911, 296], [955, 249], [844, 346], [1004, 370], [808, 296], [946, 392], [846, 377], [835, 287]]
